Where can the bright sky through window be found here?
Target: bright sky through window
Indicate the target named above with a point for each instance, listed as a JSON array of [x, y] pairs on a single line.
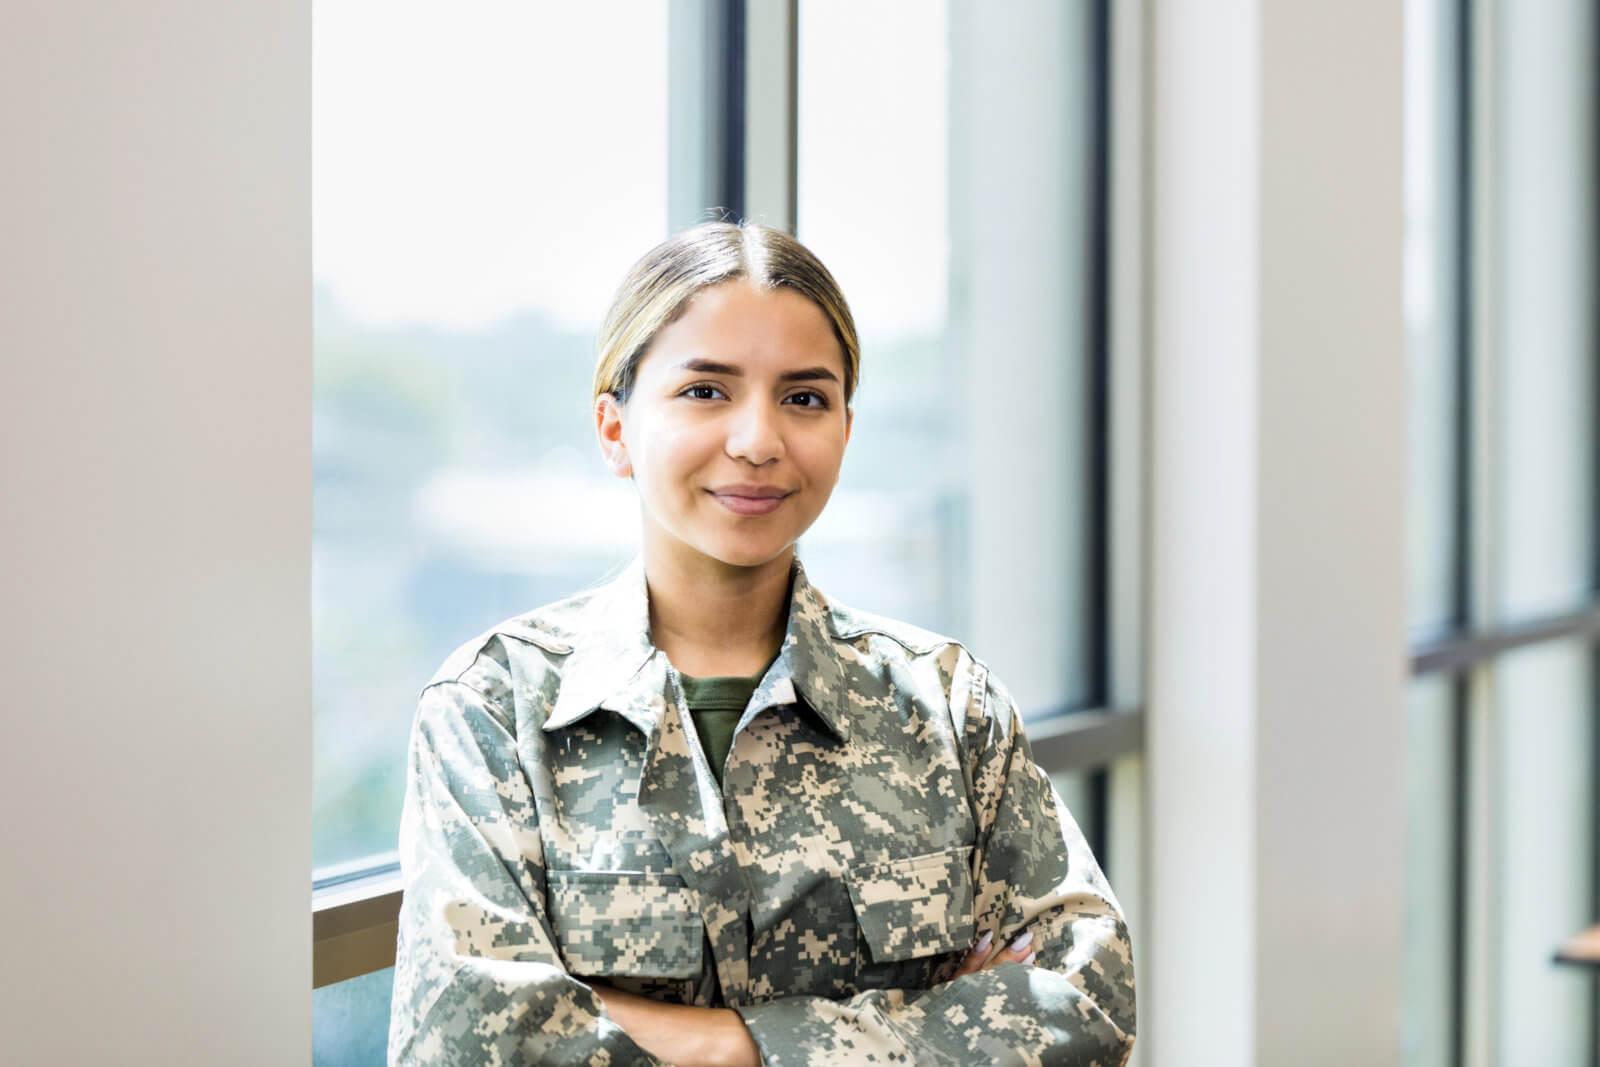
[[874, 173], [476, 160]]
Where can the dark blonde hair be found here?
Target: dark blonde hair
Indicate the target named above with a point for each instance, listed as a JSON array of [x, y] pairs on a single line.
[[658, 287]]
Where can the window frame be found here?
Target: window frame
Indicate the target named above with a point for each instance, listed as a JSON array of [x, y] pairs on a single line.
[[1469, 651], [733, 144]]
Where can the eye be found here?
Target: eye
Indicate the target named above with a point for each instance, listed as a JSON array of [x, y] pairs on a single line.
[[820, 401], [697, 391]]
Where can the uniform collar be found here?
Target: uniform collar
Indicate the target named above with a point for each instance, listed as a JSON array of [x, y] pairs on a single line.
[[613, 664]]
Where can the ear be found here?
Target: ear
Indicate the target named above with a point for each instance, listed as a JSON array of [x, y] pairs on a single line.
[[849, 419], [608, 430]]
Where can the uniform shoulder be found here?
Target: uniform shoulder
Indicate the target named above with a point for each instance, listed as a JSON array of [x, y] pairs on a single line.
[[851, 624], [551, 628]]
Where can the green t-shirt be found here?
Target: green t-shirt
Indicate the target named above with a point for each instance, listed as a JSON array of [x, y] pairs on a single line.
[[715, 704]]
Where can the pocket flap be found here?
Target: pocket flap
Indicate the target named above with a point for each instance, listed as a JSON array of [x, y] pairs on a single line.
[[626, 923], [915, 906]]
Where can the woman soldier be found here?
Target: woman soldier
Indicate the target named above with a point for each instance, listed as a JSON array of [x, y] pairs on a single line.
[[706, 814]]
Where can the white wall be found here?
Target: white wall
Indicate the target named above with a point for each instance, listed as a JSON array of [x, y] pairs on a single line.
[[1278, 661], [155, 413]]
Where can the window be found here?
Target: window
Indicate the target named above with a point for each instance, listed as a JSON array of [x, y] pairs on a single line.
[[1504, 767], [950, 173], [468, 236]]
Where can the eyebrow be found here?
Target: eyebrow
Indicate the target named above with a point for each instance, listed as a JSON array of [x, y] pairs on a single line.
[[711, 366]]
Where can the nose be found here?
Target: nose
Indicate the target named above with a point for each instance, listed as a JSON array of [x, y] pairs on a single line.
[[754, 434]]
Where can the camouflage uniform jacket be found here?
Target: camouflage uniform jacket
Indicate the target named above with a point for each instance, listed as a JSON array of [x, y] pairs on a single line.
[[880, 808]]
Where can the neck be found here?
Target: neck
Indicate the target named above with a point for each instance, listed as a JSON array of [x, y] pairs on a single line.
[[714, 619]]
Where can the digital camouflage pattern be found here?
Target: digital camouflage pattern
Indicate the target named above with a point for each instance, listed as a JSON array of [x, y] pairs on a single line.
[[880, 808]]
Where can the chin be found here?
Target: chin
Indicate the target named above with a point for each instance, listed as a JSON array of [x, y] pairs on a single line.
[[746, 554]]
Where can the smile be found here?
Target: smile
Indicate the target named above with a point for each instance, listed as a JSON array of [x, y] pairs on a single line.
[[749, 505]]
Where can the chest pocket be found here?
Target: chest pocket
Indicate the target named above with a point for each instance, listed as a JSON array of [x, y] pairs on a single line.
[[914, 906], [626, 923]]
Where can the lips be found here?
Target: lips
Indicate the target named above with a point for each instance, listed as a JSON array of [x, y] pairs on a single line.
[[750, 500], [753, 492]]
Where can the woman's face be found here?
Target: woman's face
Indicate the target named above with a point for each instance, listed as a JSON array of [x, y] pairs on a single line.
[[736, 426]]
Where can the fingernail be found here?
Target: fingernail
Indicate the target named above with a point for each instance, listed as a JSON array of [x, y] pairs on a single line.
[[984, 942], [1022, 941], [1030, 957]]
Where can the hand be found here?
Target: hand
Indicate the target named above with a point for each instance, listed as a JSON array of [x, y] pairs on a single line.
[[681, 1033], [983, 955]]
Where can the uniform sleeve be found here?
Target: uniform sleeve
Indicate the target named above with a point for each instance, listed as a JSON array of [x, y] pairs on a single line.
[[1032, 870], [477, 977]]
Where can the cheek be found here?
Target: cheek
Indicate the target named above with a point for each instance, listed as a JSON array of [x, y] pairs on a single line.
[[821, 458], [670, 452]]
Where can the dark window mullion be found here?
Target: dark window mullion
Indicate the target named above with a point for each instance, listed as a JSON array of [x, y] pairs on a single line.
[[1594, 546], [1469, 612], [1459, 652], [730, 105], [1594, 839], [1460, 830], [1099, 363]]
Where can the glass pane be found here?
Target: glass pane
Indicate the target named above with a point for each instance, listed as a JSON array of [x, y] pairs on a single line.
[[480, 187], [1429, 976], [886, 538], [350, 1021], [1545, 180], [1433, 265], [1544, 852], [1078, 793], [945, 164]]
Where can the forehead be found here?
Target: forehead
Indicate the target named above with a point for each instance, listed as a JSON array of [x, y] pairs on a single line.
[[737, 322]]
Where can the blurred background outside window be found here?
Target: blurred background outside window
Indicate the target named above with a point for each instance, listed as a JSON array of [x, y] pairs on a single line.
[[483, 178]]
